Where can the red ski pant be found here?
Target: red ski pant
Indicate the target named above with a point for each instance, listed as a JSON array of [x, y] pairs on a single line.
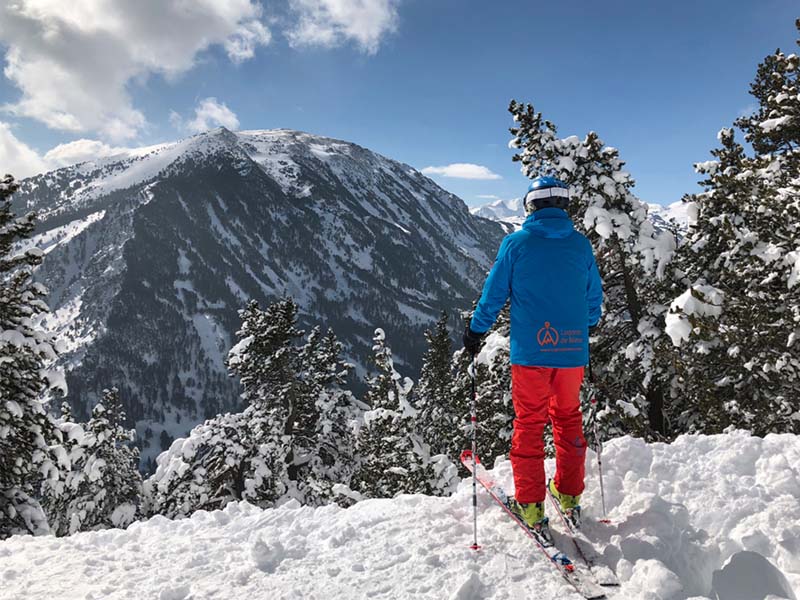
[[539, 394]]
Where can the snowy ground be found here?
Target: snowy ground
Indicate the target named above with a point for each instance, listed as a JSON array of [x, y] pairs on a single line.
[[680, 513]]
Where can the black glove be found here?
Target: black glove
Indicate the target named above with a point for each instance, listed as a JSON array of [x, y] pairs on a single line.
[[472, 341]]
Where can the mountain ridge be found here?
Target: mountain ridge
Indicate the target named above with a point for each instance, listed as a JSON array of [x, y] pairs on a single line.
[[149, 257]]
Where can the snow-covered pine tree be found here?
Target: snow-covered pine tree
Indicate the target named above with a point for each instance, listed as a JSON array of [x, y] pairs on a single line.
[[101, 485], [382, 445], [27, 435], [294, 439], [434, 393], [631, 255], [268, 361], [774, 128], [238, 456], [327, 429], [120, 482], [205, 470], [393, 458], [737, 319]]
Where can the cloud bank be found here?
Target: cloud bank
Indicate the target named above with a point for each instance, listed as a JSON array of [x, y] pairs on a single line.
[[209, 113], [16, 157], [462, 171], [330, 23], [73, 61]]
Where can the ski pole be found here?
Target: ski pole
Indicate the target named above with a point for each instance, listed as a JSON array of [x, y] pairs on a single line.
[[474, 423], [597, 442]]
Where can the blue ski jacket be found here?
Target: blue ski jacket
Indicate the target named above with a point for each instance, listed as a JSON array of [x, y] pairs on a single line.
[[549, 271]]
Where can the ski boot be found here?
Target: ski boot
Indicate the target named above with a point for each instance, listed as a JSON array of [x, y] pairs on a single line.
[[570, 506], [532, 514]]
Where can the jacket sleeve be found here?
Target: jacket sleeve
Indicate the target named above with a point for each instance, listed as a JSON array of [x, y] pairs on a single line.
[[594, 291], [496, 290]]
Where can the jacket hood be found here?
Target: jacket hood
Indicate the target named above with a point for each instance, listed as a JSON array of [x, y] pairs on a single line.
[[549, 223]]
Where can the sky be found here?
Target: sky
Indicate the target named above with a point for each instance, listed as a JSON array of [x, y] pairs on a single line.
[[426, 82]]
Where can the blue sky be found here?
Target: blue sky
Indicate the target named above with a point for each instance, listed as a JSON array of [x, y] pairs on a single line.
[[426, 82]]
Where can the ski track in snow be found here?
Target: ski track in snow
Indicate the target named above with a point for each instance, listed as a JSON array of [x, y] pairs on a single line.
[[680, 512]]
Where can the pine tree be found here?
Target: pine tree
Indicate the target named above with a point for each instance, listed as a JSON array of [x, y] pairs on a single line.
[[267, 362], [434, 394], [240, 456], [120, 482], [100, 484], [328, 426], [209, 468], [294, 439], [28, 440], [737, 317], [774, 128], [631, 255], [393, 457]]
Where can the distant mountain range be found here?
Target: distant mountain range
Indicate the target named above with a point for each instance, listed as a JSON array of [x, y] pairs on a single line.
[[512, 212], [675, 213], [507, 211], [151, 253]]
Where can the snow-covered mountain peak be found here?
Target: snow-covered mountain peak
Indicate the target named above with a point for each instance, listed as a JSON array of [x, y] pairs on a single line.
[[282, 154], [150, 254], [508, 211], [675, 214]]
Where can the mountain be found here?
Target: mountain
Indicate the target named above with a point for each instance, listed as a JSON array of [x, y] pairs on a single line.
[[703, 517], [151, 253], [507, 211], [675, 215]]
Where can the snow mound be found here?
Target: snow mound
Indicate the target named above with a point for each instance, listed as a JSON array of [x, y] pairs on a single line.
[[704, 517]]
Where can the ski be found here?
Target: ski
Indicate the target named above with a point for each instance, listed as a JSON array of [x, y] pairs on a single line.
[[602, 574], [585, 587]]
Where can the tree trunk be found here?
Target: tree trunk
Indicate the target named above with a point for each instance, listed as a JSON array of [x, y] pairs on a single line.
[[655, 408], [634, 304]]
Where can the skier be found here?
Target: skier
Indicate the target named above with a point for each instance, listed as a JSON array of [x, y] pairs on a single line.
[[549, 272]]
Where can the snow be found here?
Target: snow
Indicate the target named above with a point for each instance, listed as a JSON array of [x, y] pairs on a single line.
[[679, 213], [702, 300], [508, 211], [704, 517], [774, 124], [793, 258], [49, 240], [607, 222], [494, 344], [213, 338]]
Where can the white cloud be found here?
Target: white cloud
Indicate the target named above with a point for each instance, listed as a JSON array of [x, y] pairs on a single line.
[[241, 46], [20, 160], [331, 22], [79, 151], [462, 171], [209, 113], [16, 157], [73, 61]]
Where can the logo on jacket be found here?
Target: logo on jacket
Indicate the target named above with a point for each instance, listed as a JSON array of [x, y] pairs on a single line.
[[547, 335]]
